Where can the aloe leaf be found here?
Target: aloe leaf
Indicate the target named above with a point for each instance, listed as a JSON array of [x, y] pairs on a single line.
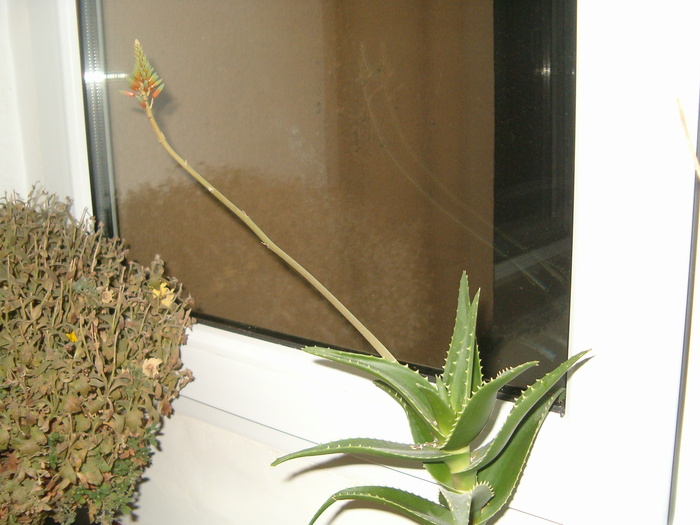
[[424, 452], [422, 433], [477, 411], [415, 389], [477, 377], [521, 408], [419, 509], [483, 492], [440, 472], [462, 371], [443, 413], [504, 472], [442, 390], [462, 505], [420, 430]]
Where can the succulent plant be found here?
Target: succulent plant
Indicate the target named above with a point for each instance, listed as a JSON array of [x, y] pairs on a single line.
[[89, 364], [446, 417]]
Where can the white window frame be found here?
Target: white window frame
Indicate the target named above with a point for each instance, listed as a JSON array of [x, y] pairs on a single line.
[[609, 460]]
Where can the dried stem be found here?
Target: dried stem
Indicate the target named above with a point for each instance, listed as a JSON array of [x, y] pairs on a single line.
[[145, 86], [688, 140]]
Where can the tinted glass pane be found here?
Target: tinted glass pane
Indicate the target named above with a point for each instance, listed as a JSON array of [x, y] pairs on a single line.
[[388, 146]]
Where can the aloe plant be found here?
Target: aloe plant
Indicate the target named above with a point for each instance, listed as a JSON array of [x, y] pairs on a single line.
[[445, 417]]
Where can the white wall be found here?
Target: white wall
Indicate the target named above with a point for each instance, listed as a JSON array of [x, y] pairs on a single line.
[[608, 461], [12, 169]]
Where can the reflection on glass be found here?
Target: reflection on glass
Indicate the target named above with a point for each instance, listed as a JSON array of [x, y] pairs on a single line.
[[371, 140]]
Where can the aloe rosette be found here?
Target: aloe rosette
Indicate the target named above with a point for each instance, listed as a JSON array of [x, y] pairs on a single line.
[[445, 417]]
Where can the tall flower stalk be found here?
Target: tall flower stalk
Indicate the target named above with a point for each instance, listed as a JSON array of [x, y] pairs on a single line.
[[145, 86]]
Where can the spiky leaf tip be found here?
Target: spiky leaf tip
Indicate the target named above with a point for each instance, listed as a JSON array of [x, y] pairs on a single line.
[[462, 370]]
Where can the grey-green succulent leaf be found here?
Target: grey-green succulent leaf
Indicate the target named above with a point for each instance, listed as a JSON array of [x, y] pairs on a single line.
[[463, 505], [476, 412], [525, 403], [442, 390], [503, 473], [415, 389], [421, 431], [419, 509], [440, 472], [423, 452], [462, 371]]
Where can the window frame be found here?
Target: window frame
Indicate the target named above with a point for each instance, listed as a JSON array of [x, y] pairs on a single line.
[[634, 184]]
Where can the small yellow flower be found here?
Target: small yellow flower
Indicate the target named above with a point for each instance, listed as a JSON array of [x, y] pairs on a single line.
[[165, 294], [150, 367], [72, 337]]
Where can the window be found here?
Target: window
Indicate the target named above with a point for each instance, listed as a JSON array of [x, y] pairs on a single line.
[[387, 146], [633, 203]]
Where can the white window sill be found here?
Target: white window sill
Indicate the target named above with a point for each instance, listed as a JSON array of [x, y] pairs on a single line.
[[259, 400]]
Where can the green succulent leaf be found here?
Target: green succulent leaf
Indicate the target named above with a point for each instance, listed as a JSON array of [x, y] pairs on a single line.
[[462, 505], [415, 389], [519, 412], [422, 433], [442, 390], [419, 509], [462, 371], [424, 452], [476, 412], [503, 473]]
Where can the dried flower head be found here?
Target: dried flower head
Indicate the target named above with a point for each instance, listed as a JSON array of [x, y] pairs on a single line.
[[144, 83], [150, 367]]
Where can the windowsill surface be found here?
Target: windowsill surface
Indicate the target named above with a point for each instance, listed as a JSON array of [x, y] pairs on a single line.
[[284, 400]]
